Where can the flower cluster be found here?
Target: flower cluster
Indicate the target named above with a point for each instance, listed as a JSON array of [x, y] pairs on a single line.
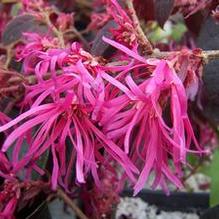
[[95, 120], [97, 107], [123, 29]]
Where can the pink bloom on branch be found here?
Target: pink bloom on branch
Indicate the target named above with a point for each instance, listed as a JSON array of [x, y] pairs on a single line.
[[67, 119], [38, 52], [140, 121], [123, 29], [189, 68], [65, 21], [97, 107]]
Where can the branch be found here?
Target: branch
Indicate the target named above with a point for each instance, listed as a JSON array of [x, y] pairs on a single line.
[[15, 82], [206, 55], [10, 89], [210, 55], [62, 195], [52, 27], [142, 37], [79, 36]]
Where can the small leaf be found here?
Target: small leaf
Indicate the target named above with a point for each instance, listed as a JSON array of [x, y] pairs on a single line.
[[142, 6], [195, 22], [212, 171], [163, 9], [100, 48], [208, 40], [41, 212], [178, 31], [65, 6], [20, 24]]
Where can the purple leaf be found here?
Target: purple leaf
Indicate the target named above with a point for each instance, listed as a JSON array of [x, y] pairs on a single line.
[[163, 9], [142, 6], [99, 47], [16, 27]]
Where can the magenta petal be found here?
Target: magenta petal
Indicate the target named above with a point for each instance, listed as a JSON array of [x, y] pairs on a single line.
[[125, 50]]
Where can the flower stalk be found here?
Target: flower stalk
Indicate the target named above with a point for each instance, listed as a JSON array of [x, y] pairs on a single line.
[[68, 201], [143, 40], [17, 78]]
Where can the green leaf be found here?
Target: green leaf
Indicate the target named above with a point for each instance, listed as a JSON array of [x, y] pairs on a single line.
[[212, 171], [15, 9], [178, 31]]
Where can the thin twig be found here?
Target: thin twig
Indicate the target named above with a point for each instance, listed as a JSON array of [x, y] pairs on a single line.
[[9, 56], [210, 55], [84, 3], [9, 89], [79, 36], [12, 73], [29, 79], [48, 22], [55, 30], [11, 105], [194, 169], [62, 195], [142, 37]]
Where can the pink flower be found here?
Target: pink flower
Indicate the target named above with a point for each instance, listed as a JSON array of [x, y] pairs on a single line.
[[8, 211], [189, 68], [65, 21], [36, 53], [32, 6], [124, 30], [67, 118], [138, 121], [134, 115]]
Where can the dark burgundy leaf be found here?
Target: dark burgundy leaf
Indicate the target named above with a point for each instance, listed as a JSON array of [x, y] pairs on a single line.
[[163, 9], [20, 24], [99, 47], [66, 6], [145, 9], [39, 212], [194, 22], [208, 40]]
